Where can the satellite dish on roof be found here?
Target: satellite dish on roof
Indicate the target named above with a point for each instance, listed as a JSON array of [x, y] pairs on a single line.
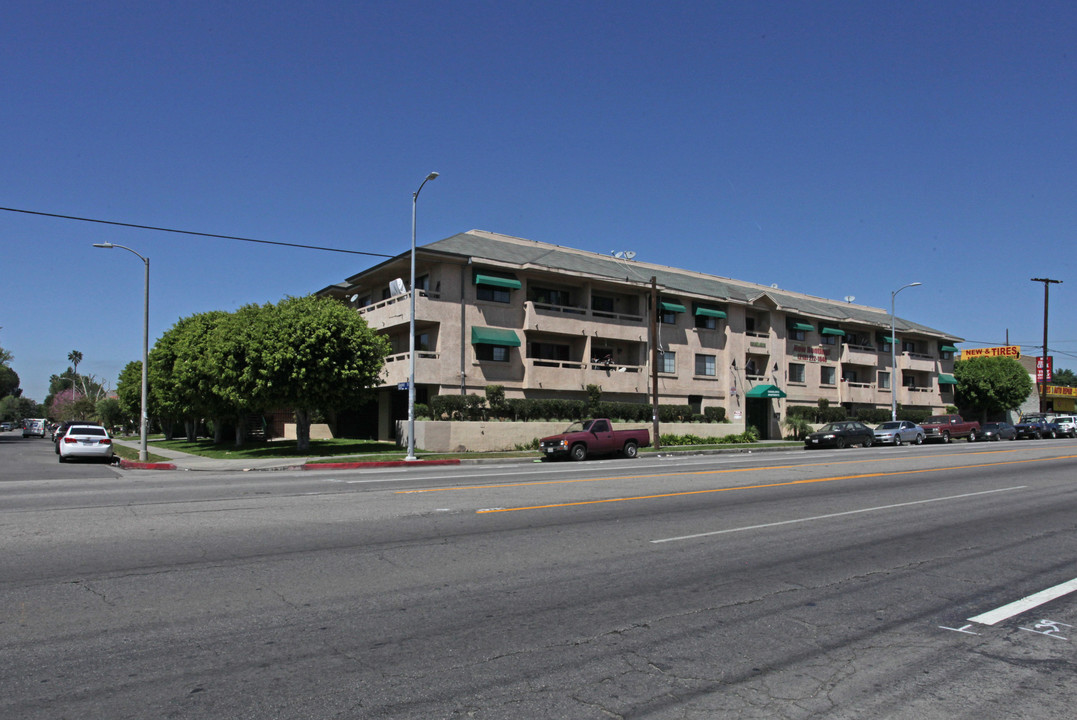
[[849, 298], [618, 255], [629, 254], [396, 287], [353, 298]]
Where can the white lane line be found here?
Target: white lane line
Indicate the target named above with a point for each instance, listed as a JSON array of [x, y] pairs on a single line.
[[1017, 607], [834, 515]]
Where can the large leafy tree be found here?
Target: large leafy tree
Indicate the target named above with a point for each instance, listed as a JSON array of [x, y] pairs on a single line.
[[308, 354], [991, 385], [1066, 378], [9, 382]]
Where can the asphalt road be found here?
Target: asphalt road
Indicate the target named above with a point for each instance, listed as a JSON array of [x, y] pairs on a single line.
[[832, 584]]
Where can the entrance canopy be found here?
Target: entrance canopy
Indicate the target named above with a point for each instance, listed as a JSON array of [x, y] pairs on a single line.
[[765, 391]]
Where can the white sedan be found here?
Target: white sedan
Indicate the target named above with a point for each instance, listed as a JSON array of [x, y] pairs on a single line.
[[89, 441]]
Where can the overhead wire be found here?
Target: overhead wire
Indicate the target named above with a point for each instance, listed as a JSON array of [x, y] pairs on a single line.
[[193, 232]]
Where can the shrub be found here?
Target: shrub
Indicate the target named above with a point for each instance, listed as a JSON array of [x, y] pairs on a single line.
[[714, 414]]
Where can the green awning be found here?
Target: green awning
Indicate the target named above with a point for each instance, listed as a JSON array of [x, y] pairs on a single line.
[[495, 281], [672, 306], [947, 348], [833, 331], [494, 336], [765, 391], [886, 339], [801, 326], [707, 312], [945, 379]]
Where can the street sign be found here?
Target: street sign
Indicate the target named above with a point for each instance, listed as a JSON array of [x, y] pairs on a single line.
[[402, 386]]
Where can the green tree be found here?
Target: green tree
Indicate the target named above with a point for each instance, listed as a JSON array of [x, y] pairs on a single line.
[[991, 385], [108, 412], [312, 354], [9, 382], [129, 394], [75, 357], [184, 375], [1066, 378]]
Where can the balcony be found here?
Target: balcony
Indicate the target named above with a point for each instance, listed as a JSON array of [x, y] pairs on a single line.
[[572, 375], [427, 368], [918, 362], [567, 320], [860, 355], [864, 393], [396, 310]]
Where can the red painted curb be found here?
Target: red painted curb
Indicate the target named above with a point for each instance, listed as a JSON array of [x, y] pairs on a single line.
[[132, 465], [386, 463]]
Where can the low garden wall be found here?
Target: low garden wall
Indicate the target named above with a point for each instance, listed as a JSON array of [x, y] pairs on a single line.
[[446, 436]]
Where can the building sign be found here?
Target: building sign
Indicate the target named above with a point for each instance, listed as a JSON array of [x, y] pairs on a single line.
[[1039, 368], [810, 354], [1013, 351], [1060, 391]]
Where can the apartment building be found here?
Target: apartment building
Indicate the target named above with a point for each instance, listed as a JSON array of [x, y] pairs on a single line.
[[544, 320]]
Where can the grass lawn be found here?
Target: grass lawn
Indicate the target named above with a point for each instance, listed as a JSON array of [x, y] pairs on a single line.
[[128, 453]]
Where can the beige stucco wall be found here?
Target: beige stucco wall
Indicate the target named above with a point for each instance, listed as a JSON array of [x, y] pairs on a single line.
[[443, 436]]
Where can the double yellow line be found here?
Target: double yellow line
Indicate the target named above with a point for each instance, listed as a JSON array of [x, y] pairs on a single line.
[[686, 493]]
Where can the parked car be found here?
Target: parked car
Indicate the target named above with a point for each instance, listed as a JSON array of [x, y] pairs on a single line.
[[897, 432], [1036, 426], [594, 437], [1067, 425], [33, 427], [5, 426], [997, 431], [60, 430], [90, 441], [840, 434]]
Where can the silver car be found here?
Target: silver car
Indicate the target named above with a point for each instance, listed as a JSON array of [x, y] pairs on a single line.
[[897, 432], [1067, 425]]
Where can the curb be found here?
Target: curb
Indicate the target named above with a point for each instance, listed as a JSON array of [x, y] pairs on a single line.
[[384, 463], [134, 465]]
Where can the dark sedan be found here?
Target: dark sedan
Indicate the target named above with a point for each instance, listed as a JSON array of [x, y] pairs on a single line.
[[840, 434], [997, 431]]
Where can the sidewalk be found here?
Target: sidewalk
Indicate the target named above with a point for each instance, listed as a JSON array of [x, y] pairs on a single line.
[[177, 460]]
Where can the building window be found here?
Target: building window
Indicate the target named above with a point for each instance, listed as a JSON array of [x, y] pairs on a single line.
[[827, 375], [884, 380], [705, 365], [493, 353], [547, 296], [667, 361], [549, 351], [492, 294], [850, 375], [908, 346], [706, 322], [602, 303], [422, 342], [828, 339], [796, 334], [796, 372]]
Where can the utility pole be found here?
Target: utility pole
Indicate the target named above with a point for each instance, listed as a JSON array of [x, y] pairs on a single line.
[[1043, 360]]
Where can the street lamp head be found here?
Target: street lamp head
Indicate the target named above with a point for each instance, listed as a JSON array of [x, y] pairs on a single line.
[[104, 245], [431, 176], [914, 284]]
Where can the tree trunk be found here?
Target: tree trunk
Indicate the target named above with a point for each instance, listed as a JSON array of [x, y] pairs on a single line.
[[241, 429], [302, 430], [169, 427], [218, 430], [191, 426]]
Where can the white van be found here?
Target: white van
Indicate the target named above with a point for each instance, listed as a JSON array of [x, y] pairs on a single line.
[[32, 427]]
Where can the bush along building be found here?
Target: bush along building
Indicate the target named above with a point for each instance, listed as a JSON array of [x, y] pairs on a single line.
[[545, 321]]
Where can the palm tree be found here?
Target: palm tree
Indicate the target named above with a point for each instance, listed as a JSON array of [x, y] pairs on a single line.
[[75, 357]]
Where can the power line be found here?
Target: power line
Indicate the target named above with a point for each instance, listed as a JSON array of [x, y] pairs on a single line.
[[192, 232]]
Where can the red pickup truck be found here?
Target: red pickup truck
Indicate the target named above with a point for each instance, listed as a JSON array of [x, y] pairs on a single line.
[[948, 427], [594, 437]]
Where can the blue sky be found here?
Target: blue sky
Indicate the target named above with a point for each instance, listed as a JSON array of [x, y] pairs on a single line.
[[833, 148]]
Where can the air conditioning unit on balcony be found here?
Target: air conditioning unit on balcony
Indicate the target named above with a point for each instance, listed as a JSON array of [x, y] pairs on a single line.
[[397, 287]]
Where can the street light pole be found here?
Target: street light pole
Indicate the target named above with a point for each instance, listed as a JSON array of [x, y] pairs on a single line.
[[893, 352], [411, 332], [143, 453]]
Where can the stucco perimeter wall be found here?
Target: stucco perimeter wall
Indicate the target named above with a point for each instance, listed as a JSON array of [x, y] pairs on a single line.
[[454, 436]]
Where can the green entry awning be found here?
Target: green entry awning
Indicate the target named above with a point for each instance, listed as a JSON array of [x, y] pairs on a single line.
[[833, 331], [947, 348], [801, 326], [707, 312], [494, 336], [495, 281], [672, 306], [765, 391], [945, 379]]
